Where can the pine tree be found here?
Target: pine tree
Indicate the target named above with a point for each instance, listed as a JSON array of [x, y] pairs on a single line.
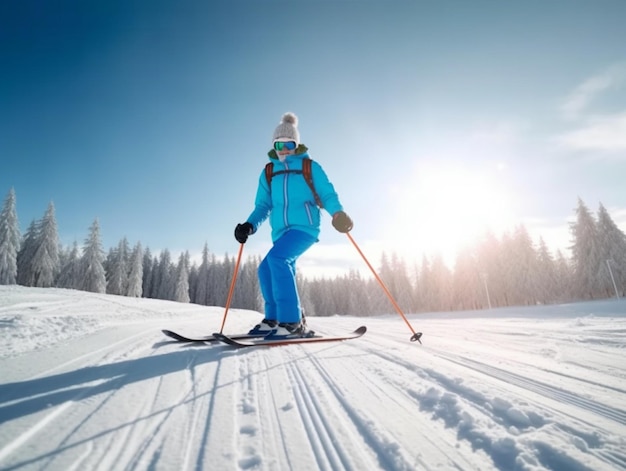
[[202, 281], [135, 275], [493, 270], [467, 284], [507, 288], [92, 269], [546, 278], [45, 265], [154, 279], [116, 269], [247, 289], [147, 273], [358, 295], [320, 301], [612, 247], [524, 257], [25, 276], [193, 282], [340, 293], [9, 241], [377, 299], [403, 294], [181, 289], [564, 277], [423, 293], [586, 253], [163, 283], [70, 271], [223, 278], [441, 285]]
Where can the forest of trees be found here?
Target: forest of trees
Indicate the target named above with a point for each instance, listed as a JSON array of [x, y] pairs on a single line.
[[509, 270]]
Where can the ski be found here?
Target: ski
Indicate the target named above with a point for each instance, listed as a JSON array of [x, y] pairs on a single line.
[[263, 342], [181, 338]]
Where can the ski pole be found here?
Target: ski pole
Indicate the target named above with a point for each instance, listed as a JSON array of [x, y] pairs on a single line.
[[416, 335], [232, 287]]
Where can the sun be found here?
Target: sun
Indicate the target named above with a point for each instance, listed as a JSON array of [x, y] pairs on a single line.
[[442, 209]]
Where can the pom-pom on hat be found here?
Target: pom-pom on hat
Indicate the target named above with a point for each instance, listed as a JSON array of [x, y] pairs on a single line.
[[288, 128]]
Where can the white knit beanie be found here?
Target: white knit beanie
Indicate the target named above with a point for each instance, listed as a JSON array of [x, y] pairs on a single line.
[[288, 128]]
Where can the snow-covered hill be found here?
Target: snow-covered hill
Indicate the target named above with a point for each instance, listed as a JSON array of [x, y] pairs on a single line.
[[89, 382]]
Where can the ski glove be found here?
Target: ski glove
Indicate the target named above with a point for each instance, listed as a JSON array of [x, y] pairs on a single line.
[[342, 222], [242, 231]]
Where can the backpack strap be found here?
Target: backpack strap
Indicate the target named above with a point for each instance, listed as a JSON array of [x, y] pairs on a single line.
[[269, 173], [306, 173], [308, 177]]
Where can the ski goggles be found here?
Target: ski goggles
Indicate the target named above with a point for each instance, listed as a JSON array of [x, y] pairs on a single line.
[[284, 145]]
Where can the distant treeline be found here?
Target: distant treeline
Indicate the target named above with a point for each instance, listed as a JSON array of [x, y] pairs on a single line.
[[496, 271]]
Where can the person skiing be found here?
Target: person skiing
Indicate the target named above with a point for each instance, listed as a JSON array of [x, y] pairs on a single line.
[[290, 203]]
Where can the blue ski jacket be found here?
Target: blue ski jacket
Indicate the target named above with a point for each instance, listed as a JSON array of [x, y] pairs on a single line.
[[290, 203]]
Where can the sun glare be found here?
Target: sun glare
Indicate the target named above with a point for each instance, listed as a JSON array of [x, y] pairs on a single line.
[[442, 210]]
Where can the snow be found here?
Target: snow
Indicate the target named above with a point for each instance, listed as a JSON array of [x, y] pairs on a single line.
[[88, 382]]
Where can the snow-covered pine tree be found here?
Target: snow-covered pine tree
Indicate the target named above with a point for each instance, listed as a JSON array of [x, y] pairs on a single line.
[[469, 292], [564, 277], [181, 290], [202, 280], [213, 293], [612, 246], [147, 273], [247, 289], [402, 292], [70, 271], [524, 256], [359, 296], [154, 279], [163, 284], [45, 265], [493, 270], [423, 290], [193, 282], [92, 269], [433, 287], [116, 269], [377, 295], [546, 276], [9, 240], [318, 298], [586, 254], [225, 272], [25, 255], [135, 275], [442, 284]]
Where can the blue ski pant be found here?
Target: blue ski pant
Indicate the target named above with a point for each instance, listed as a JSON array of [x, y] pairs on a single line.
[[277, 276]]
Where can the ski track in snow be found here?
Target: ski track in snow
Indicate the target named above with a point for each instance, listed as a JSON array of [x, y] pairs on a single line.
[[516, 389]]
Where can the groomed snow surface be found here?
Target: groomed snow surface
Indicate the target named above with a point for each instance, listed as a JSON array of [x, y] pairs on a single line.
[[89, 382]]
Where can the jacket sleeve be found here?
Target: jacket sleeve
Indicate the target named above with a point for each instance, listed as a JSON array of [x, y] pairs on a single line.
[[262, 203], [325, 189]]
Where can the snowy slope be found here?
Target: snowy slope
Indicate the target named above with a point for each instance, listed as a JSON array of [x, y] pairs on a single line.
[[89, 382]]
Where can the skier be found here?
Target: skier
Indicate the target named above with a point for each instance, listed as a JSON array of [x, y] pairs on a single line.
[[290, 203]]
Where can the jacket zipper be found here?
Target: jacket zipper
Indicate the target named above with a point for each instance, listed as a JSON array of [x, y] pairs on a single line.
[[285, 198]]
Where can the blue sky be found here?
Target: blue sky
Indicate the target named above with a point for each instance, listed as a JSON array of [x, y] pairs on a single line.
[[434, 120]]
